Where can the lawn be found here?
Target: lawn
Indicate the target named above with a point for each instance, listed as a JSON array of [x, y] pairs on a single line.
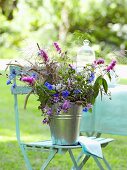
[[33, 130]]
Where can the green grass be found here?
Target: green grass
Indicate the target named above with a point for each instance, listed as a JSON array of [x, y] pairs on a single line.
[[122, 81], [32, 130]]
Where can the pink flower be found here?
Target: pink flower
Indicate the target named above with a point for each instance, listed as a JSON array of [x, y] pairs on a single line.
[[99, 61], [43, 54], [57, 47], [30, 80], [111, 65]]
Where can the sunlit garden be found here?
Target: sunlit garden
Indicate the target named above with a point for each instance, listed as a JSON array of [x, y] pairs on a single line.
[[28, 31]]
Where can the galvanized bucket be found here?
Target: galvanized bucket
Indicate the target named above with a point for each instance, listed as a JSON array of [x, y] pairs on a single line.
[[65, 126]]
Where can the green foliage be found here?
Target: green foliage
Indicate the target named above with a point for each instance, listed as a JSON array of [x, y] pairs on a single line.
[[102, 22]]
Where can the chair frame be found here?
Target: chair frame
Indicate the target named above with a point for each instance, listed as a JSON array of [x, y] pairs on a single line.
[[47, 145]]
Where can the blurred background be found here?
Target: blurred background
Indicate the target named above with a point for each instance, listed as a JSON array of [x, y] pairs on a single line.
[[103, 22]]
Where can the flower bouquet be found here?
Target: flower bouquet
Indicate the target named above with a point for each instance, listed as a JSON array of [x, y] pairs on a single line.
[[59, 85]]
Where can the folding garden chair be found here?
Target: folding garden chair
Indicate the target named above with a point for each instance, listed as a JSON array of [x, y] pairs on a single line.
[[47, 145]]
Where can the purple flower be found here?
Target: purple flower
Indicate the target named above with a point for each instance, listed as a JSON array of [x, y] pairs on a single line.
[[49, 112], [57, 47], [56, 99], [77, 91], [111, 65], [58, 110], [65, 93], [89, 106], [48, 85], [45, 121], [34, 75], [99, 61], [28, 79], [66, 105], [43, 54]]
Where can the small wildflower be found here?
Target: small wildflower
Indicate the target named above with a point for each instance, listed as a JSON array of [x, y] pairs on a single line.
[[111, 65], [56, 99], [49, 112], [34, 75], [14, 86], [43, 54], [66, 105], [57, 47], [45, 121], [89, 106], [48, 85], [58, 110], [8, 82], [99, 61], [92, 76], [85, 109], [65, 93], [29, 80], [77, 91]]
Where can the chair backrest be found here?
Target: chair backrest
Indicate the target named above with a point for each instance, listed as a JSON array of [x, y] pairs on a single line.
[[109, 116], [16, 90]]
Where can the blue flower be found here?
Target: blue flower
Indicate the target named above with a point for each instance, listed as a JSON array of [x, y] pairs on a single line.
[[92, 76], [12, 74], [48, 85], [85, 109], [65, 93], [56, 95], [14, 86], [77, 91], [34, 75], [8, 82]]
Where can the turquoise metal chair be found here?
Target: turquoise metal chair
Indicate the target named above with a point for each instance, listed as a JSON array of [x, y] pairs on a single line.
[[47, 145]]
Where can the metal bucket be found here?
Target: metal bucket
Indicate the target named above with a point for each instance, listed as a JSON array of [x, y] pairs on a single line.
[[65, 127]]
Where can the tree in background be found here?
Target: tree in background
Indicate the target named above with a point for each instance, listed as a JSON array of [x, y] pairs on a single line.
[[101, 21]]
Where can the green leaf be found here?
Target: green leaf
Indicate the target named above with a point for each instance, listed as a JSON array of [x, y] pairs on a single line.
[[109, 76], [105, 85], [99, 80]]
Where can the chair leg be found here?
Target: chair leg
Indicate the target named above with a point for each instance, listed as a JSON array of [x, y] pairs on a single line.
[[28, 164], [50, 157], [98, 162], [73, 159], [83, 161], [107, 164]]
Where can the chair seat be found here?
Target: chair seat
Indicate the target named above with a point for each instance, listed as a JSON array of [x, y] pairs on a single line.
[[48, 144]]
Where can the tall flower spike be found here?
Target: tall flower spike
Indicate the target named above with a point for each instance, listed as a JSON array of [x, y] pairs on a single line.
[[43, 54], [57, 47]]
